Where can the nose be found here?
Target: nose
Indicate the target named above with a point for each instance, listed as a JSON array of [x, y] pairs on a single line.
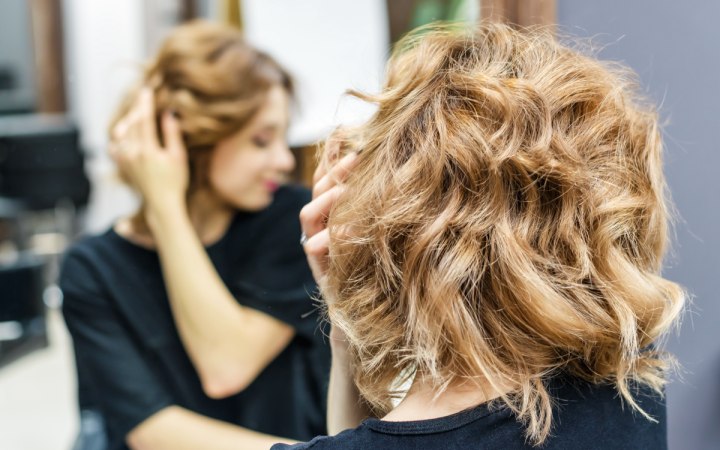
[[283, 158]]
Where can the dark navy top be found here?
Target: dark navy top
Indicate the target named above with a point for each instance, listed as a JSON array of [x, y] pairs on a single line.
[[586, 417], [131, 362]]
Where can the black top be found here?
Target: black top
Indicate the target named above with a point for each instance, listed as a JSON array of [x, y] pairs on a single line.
[[131, 362], [586, 417]]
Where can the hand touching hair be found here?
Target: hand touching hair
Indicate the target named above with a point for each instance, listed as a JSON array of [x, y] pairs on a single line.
[[206, 75]]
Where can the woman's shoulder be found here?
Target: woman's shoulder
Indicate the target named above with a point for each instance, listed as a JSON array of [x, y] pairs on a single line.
[[290, 199], [279, 223], [353, 439], [571, 392], [91, 248], [473, 428], [85, 262], [584, 411], [80, 277]]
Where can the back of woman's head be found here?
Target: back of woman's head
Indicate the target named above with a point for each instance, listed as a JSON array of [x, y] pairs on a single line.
[[211, 79], [506, 220]]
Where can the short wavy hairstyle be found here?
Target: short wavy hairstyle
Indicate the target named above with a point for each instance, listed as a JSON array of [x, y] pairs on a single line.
[[212, 80], [506, 221]]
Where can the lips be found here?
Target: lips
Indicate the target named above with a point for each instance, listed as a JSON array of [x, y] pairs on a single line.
[[271, 186]]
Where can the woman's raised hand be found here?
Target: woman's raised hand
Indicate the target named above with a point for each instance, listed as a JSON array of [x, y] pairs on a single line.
[[328, 185], [160, 173]]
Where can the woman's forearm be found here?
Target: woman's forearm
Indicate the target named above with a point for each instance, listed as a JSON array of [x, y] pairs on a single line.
[[176, 428], [346, 407], [229, 344]]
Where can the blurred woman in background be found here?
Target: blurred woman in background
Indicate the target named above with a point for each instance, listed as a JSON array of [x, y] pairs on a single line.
[[192, 319], [496, 244]]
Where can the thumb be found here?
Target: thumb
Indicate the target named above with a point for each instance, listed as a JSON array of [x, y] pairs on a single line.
[[172, 135]]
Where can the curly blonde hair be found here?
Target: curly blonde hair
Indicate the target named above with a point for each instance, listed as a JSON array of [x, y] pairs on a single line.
[[507, 219], [212, 80]]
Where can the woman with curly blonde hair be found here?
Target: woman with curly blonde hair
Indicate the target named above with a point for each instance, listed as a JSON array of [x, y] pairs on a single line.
[[193, 319], [494, 239]]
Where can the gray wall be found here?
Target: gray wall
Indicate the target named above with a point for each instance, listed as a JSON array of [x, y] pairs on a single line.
[[675, 48]]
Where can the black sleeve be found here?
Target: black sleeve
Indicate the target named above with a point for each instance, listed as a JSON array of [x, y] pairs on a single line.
[[125, 388], [276, 278]]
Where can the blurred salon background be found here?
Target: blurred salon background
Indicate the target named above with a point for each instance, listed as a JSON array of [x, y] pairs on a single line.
[[64, 65]]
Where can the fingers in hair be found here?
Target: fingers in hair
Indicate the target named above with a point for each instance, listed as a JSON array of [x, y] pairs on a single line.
[[313, 216], [337, 175]]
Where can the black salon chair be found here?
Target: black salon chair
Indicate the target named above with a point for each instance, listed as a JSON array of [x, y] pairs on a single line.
[[42, 185], [41, 163], [22, 311]]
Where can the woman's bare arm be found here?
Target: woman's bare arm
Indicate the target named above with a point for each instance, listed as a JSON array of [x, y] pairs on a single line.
[[176, 428], [346, 407], [228, 343]]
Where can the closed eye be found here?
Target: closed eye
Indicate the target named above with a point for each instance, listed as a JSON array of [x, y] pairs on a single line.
[[261, 142]]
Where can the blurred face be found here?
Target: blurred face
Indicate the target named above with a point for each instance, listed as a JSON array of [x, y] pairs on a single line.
[[247, 167]]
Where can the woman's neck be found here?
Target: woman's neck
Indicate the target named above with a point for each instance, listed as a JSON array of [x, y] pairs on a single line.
[[209, 216], [423, 403]]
